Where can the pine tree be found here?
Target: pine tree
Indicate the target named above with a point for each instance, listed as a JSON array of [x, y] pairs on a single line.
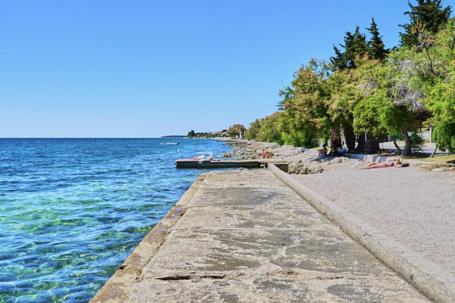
[[376, 46], [355, 45], [337, 60], [426, 16], [360, 45]]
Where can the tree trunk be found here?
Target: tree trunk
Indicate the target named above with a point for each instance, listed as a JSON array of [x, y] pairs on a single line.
[[408, 143], [397, 146], [434, 151], [360, 144], [335, 138], [372, 145], [349, 135]]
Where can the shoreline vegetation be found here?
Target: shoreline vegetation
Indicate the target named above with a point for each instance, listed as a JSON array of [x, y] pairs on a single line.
[[366, 94]]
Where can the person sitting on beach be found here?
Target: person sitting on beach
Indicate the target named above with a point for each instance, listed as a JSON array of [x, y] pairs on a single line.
[[323, 151], [341, 150], [333, 151], [265, 154], [335, 147], [392, 163]]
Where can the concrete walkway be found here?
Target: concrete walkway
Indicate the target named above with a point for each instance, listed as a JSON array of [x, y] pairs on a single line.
[[246, 237]]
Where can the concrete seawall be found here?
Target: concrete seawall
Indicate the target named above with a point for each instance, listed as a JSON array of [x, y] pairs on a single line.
[[118, 286], [428, 277], [244, 236]]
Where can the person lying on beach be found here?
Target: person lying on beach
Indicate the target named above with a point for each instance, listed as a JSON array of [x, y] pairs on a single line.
[[391, 163]]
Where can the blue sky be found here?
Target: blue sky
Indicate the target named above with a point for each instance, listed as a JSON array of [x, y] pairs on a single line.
[[109, 68]]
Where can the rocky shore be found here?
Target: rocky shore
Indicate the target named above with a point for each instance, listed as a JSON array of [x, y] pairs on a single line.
[[301, 160]]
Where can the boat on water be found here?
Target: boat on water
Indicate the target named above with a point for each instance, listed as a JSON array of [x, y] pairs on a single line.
[[170, 143]]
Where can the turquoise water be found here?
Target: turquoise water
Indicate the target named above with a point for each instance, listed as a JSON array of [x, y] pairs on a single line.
[[71, 210]]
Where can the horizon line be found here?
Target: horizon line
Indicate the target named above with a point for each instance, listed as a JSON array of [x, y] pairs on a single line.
[[158, 137]]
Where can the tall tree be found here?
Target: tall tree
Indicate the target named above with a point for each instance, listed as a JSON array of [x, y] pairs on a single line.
[[355, 45], [439, 90], [427, 16], [304, 105], [338, 61], [376, 46]]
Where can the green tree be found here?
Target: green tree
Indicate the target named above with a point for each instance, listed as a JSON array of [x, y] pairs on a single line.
[[377, 49], [367, 93], [442, 105], [354, 45], [427, 16], [307, 102], [191, 133], [370, 114], [393, 104], [438, 82], [338, 60], [236, 130], [268, 131], [345, 93], [252, 132], [340, 104], [295, 130]]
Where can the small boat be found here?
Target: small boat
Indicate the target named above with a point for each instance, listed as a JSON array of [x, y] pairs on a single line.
[[170, 143]]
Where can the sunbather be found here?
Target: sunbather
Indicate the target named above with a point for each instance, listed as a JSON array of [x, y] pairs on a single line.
[[265, 154], [391, 163]]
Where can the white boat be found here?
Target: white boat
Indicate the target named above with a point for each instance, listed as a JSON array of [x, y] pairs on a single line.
[[170, 143]]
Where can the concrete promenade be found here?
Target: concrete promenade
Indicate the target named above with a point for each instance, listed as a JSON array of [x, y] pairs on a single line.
[[243, 236]]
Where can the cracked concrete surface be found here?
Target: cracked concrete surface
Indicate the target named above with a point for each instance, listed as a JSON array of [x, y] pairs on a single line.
[[246, 237]]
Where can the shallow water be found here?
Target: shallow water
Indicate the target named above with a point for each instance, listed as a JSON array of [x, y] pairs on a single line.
[[71, 210]]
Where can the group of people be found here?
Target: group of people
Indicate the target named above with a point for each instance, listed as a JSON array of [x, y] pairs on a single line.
[[335, 150], [338, 149]]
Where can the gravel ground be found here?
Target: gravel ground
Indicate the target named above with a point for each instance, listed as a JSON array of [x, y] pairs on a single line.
[[415, 207]]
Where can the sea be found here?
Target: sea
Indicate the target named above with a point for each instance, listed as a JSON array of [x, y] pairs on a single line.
[[72, 210]]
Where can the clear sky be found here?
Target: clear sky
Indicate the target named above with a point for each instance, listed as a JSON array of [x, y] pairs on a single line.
[[108, 68]]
